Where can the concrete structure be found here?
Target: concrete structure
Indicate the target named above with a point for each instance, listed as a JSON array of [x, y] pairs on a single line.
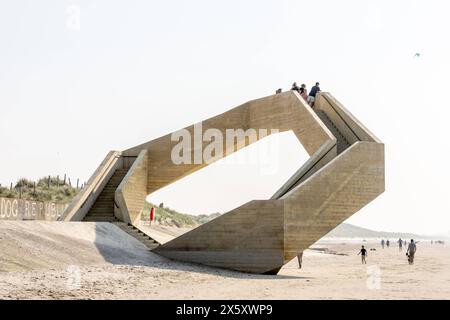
[[344, 173]]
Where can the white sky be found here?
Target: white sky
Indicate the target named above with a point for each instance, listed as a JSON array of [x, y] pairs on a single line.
[[136, 70]]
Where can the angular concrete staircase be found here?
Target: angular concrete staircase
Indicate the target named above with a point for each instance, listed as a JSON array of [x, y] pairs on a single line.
[[103, 208], [342, 142], [103, 211], [139, 235], [345, 172]]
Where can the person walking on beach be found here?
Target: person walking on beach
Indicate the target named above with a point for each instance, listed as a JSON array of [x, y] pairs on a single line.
[[300, 258], [312, 95], [411, 251], [363, 253], [388, 243], [400, 244], [382, 243]]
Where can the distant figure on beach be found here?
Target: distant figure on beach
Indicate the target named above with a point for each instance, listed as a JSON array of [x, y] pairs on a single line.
[[363, 253], [312, 95], [405, 243], [279, 91], [382, 243], [400, 244], [303, 92], [411, 251], [295, 87], [300, 258], [388, 243]]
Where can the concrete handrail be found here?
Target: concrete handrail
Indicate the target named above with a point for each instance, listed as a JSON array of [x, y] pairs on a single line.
[[350, 126], [325, 154], [131, 193], [89, 193]]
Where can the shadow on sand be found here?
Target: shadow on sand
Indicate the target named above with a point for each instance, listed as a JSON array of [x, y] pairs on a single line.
[[119, 248]]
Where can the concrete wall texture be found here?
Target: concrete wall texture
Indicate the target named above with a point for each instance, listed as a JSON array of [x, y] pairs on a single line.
[[344, 173]]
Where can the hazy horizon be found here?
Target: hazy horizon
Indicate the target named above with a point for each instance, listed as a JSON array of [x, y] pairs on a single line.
[[125, 73]]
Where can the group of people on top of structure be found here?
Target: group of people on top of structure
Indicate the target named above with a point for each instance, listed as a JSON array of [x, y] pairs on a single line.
[[309, 98]]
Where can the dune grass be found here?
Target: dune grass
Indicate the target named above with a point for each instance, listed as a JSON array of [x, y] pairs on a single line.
[[55, 190], [167, 216], [44, 189]]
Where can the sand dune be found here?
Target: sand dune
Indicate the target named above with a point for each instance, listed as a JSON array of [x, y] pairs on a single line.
[[27, 245]]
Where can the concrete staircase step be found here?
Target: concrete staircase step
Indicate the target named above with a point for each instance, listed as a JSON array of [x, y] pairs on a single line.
[[148, 241], [102, 212], [342, 142], [100, 219], [106, 204]]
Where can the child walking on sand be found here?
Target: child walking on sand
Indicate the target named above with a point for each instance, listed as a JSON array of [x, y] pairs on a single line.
[[363, 253]]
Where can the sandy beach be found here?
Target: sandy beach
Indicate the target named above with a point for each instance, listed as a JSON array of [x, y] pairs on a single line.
[[92, 262]]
